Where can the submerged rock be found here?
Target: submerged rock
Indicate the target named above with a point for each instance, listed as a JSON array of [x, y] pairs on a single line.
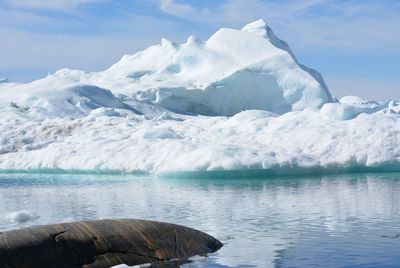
[[101, 244]]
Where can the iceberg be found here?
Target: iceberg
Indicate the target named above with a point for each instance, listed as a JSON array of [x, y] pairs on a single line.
[[234, 70], [22, 216], [237, 101]]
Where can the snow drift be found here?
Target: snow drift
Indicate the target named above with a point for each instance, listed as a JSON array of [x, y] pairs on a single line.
[[239, 100]]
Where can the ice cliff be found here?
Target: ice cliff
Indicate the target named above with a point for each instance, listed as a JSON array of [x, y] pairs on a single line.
[[239, 100]]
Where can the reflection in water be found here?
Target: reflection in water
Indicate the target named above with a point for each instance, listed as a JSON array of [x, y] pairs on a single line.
[[329, 221]]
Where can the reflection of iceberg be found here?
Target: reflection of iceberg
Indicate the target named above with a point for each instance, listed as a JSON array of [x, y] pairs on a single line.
[[356, 224], [238, 101], [255, 218]]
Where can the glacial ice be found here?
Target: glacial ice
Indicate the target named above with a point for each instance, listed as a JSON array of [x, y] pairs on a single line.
[[22, 216], [239, 100]]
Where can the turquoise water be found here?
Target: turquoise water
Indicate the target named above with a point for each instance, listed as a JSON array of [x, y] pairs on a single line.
[[315, 221]]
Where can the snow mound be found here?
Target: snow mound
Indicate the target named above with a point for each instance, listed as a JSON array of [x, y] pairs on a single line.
[[339, 111], [160, 133], [59, 97]]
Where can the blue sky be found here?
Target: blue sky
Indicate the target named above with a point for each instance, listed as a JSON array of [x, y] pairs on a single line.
[[354, 44]]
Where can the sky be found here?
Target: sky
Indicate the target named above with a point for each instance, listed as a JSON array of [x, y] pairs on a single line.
[[354, 44]]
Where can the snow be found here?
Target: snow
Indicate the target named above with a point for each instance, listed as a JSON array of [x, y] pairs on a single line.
[[3, 80], [248, 140], [160, 133], [339, 111], [239, 100], [59, 97]]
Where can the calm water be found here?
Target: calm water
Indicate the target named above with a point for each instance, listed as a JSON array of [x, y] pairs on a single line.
[[328, 221]]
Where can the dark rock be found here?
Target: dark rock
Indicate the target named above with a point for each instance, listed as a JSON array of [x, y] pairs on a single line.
[[104, 243]]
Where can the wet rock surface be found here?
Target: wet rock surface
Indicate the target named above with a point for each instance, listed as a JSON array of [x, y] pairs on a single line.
[[103, 243]]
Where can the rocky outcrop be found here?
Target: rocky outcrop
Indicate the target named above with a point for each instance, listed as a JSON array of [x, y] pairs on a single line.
[[104, 243]]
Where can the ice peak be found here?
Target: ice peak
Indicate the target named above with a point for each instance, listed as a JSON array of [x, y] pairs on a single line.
[[192, 40], [258, 27], [261, 28], [167, 43]]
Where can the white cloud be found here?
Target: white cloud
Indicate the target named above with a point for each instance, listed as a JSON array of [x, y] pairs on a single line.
[[174, 8], [61, 5], [184, 10]]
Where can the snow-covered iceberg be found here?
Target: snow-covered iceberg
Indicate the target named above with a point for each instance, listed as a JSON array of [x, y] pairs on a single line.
[[233, 71], [239, 100]]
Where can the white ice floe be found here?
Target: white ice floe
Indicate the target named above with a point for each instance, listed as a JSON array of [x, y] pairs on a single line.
[[135, 266], [22, 216], [239, 100]]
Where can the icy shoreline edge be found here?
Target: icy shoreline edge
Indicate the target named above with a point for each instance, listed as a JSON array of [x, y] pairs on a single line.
[[220, 174]]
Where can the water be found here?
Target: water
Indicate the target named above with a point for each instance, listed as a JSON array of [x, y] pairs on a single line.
[[325, 221]]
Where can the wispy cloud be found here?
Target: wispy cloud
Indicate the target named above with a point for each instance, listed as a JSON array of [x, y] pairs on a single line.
[[186, 11], [170, 6], [59, 5]]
